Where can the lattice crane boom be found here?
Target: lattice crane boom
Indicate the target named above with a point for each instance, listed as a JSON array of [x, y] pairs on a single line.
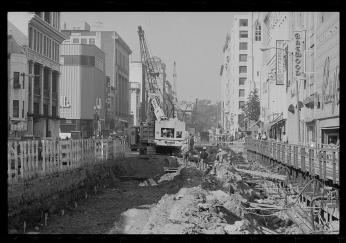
[[151, 75]]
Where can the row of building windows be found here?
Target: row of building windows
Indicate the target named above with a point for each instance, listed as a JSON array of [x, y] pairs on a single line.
[[82, 60], [53, 18], [43, 44], [90, 41], [122, 60]]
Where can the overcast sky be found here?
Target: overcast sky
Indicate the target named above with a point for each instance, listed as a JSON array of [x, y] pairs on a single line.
[[193, 39]]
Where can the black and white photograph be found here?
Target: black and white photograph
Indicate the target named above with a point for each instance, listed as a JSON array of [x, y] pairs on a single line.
[[173, 123]]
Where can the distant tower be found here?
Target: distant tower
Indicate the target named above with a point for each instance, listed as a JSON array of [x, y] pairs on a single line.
[[175, 89]]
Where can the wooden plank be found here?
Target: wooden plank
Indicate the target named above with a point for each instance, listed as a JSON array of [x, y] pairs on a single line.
[[264, 174]]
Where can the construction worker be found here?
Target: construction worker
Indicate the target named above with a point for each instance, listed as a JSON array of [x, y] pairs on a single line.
[[219, 156], [204, 157], [185, 153]]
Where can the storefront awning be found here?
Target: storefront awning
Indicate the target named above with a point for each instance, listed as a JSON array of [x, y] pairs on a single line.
[[121, 120]]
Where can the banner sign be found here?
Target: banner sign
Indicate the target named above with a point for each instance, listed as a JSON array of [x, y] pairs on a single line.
[[281, 62], [299, 56], [157, 109]]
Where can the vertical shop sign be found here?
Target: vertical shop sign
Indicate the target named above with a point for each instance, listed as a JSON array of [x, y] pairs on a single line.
[[299, 54], [281, 63]]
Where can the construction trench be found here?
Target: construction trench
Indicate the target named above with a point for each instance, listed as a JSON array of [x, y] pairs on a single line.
[[235, 197]]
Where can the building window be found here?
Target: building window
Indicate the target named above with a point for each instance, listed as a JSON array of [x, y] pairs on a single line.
[[243, 34], [243, 22], [75, 40], [16, 83], [242, 81], [30, 37], [243, 57], [242, 69], [47, 17], [45, 45], [48, 47], [242, 93], [23, 110], [243, 46], [34, 46], [45, 109], [92, 41], [84, 41], [36, 109], [258, 32], [54, 110], [241, 104], [16, 108]]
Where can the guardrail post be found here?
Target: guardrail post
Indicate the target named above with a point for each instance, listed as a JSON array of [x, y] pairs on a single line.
[[43, 155], [302, 159], [324, 165], [334, 167]]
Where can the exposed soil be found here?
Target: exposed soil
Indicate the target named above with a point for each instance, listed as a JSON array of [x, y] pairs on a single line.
[[188, 201]]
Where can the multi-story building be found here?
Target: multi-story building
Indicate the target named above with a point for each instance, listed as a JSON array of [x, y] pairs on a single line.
[[116, 65], [314, 88], [41, 44], [82, 88], [238, 73], [17, 87], [274, 76], [109, 106]]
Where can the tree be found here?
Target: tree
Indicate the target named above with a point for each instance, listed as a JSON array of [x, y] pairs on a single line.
[[204, 117], [252, 107]]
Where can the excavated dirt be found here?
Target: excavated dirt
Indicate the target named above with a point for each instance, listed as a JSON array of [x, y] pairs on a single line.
[[188, 201]]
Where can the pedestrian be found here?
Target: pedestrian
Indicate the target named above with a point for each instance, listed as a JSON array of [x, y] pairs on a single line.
[[284, 137], [192, 142], [204, 157], [264, 136]]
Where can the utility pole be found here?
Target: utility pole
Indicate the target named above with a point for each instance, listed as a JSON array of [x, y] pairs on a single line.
[[298, 111]]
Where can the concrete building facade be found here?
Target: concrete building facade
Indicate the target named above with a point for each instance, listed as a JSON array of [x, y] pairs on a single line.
[[274, 76], [117, 54], [237, 73], [17, 66], [82, 88], [318, 83], [41, 39]]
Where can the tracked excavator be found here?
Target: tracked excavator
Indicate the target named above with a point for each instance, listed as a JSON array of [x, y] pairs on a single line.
[[158, 133]]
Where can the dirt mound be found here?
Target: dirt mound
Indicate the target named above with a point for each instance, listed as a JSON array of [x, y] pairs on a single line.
[[148, 166]]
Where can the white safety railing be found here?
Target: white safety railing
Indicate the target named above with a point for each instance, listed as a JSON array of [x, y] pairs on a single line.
[[33, 158]]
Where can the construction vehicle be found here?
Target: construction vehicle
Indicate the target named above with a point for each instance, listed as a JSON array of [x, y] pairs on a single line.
[[133, 134], [158, 133]]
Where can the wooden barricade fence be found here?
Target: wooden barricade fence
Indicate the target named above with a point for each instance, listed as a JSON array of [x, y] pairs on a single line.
[[32, 158], [322, 162]]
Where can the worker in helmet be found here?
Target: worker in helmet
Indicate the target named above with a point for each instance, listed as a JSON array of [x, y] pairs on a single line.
[[204, 157]]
